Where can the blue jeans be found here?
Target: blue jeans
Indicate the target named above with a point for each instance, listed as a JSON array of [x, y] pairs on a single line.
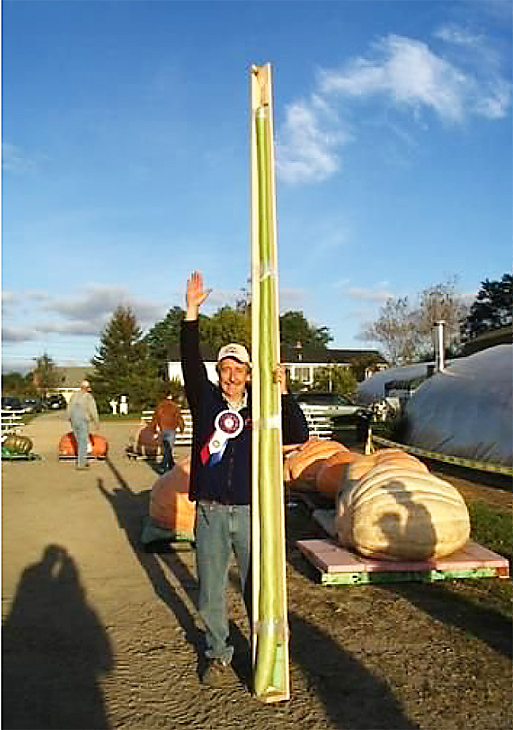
[[221, 528], [80, 428], [168, 440]]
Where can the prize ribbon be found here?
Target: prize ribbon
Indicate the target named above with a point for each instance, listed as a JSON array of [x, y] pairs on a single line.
[[228, 425]]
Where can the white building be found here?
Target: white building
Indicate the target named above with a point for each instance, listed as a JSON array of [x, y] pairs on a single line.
[[300, 363]]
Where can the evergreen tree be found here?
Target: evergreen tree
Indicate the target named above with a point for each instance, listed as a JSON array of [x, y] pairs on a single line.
[[491, 309], [294, 328], [46, 376], [123, 365], [163, 334]]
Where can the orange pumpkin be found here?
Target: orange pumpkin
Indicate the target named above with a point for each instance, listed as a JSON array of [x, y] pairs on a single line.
[[304, 464], [170, 506], [97, 446], [148, 442], [332, 472]]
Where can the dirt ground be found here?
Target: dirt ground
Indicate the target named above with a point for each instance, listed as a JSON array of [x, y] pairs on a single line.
[[99, 634]]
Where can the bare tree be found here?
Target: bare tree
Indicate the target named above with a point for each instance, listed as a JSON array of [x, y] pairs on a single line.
[[441, 302], [395, 330], [405, 332]]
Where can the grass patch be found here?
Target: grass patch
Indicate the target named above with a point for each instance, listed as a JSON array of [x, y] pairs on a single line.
[[491, 528], [135, 417]]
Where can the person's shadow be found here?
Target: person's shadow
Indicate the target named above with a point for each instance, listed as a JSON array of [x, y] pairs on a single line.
[[352, 696], [54, 651], [416, 529], [170, 576]]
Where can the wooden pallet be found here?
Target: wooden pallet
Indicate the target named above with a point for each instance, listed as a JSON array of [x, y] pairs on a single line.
[[339, 566], [131, 454], [73, 457]]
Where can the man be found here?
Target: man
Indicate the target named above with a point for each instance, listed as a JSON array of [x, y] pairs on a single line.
[[82, 413], [220, 481], [166, 419]]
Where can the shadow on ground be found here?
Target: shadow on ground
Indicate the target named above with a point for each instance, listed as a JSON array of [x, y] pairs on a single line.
[[54, 651]]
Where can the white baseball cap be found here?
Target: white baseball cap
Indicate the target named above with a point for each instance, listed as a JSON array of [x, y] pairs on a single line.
[[238, 352]]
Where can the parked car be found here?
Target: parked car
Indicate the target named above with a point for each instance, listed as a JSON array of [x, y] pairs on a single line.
[[32, 404], [55, 402], [332, 404], [12, 403]]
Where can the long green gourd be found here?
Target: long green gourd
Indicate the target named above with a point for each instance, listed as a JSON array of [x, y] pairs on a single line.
[[271, 650]]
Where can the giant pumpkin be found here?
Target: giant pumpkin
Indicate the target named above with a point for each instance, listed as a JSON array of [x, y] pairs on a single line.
[[397, 512], [17, 444], [170, 506], [332, 472], [302, 465], [97, 446], [363, 464], [148, 442]]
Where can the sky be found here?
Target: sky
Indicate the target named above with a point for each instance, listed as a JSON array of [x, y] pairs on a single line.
[[126, 158]]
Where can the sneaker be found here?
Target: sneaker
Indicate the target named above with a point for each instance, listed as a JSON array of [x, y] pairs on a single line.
[[217, 674]]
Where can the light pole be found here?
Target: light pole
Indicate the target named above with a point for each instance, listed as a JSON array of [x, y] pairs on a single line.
[[439, 345]]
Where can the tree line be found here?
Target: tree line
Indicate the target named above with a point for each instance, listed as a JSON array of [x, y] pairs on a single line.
[[128, 362], [404, 329]]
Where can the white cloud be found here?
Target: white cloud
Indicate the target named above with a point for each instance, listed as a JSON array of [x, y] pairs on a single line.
[[84, 315], [37, 295], [79, 328], [16, 160], [97, 304], [497, 103], [452, 33], [9, 301], [406, 71], [291, 300], [13, 334], [309, 152], [372, 294], [407, 74]]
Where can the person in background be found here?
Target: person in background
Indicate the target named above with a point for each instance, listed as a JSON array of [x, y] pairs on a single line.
[[220, 480], [83, 414], [166, 420]]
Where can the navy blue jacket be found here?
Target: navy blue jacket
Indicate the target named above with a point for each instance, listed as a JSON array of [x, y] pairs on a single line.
[[228, 481]]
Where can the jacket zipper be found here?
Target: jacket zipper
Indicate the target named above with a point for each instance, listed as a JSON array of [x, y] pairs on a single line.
[[229, 480]]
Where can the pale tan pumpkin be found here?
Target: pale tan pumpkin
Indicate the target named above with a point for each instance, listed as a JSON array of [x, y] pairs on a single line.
[[170, 506], [331, 474], [363, 464], [402, 513], [398, 455], [304, 464]]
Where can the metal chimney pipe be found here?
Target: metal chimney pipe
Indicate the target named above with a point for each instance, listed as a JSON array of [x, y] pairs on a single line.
[[439, 346]]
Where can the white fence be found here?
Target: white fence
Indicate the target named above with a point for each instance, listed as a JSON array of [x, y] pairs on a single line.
[[11, 422], [181, 439], [319, 424]]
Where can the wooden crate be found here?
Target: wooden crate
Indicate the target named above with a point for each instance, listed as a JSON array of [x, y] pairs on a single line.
[[339, 566]]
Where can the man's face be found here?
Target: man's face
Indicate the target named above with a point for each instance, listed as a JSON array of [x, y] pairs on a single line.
[[233, 376]]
